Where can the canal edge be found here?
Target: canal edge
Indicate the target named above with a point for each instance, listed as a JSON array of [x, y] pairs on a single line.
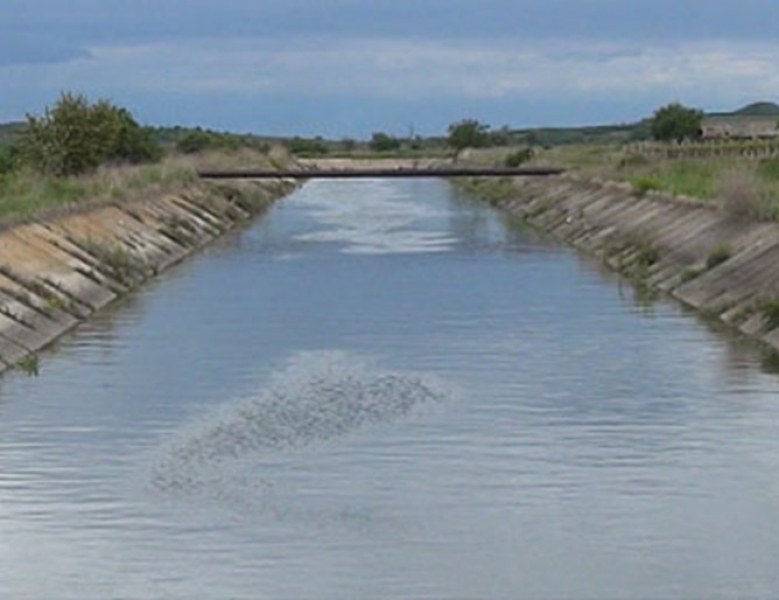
[[56, 273], [726, 269]]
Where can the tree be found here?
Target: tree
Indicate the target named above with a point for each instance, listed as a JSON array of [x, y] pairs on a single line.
[[468, 133], [75, 136], [382, 142], [194, 141], [676, 122]]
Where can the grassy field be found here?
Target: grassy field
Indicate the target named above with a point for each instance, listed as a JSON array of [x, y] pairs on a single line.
[[744, 186], [25, 195]]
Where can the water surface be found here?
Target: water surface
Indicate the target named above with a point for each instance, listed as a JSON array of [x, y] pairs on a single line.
[[385, 390]]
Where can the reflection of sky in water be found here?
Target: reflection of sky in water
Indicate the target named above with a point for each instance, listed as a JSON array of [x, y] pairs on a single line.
[[379, 220], [200, 439]]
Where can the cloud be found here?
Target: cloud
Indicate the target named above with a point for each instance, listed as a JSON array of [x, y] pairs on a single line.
[[225, 73], [391, 68], [34, 49]]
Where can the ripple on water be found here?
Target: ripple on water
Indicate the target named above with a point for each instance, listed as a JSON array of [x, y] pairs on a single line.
[[317, 397]]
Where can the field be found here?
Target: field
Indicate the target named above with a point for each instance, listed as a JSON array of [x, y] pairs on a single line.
[[25, 195]]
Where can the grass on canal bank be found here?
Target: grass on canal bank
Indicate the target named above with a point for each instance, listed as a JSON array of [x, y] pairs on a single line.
[[745, 187], [27, 195]]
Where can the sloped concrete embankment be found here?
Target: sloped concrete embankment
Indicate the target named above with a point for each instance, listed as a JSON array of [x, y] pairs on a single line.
[[726, 268], [55, 274]]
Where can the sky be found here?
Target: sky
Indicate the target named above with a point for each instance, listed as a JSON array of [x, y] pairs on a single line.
[[347, 68]]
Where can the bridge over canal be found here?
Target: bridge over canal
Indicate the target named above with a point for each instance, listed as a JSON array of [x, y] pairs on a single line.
[[380, 172]]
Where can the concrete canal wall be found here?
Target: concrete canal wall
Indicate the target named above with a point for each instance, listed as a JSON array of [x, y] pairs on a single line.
[[55, 274], [692, 250]]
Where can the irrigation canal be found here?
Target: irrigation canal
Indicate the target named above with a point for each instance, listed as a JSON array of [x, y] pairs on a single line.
[[386, 389]]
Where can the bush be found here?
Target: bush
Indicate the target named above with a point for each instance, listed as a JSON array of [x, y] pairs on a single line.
[[468, 133], [518, 158], [645, 184], [194, 141], [74, 137], [382, 142], [308, 146], [676, 122]]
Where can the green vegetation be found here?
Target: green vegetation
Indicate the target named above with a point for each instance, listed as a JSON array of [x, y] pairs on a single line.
[[80, 154], [758, 109], [518, 157], [492, 189], [75, 137], [29, 365], [121, 265], [24, 194], [646, 183], [770, 310], [718, 256], [307, 146], [768, 169], [382, 142], [468, 133], [689, 274], [7, 159], [676, 122]]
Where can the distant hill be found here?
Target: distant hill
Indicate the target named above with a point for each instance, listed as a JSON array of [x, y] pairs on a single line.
[[759, 109]]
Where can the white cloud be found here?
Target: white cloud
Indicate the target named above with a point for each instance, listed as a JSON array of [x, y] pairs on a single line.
[[394, 69]]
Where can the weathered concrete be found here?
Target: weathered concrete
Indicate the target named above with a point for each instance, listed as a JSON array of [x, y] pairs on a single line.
[[53, 275], [663, 243]]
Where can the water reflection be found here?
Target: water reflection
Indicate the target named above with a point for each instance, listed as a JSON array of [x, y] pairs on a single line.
[[203, 438]]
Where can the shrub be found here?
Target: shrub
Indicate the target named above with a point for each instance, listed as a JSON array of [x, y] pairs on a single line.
[[468, 133], [382, 142], [309, 146], [74, 137], [676, 122], [194, 141], [518, 158], [646, 184]]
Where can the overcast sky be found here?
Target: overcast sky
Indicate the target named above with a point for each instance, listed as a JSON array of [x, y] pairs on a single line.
[[350, 67]]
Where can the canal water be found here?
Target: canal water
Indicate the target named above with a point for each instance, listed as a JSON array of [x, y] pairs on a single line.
[[384, 389]]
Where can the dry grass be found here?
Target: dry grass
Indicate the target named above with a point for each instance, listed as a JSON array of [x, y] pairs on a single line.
[[26, 195], [743, 196]]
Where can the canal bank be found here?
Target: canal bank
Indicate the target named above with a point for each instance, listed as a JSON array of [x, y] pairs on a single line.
[[56, 273], [727, 268]]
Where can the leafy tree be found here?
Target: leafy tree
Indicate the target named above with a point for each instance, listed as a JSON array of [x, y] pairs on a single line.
[[74, 137], [382, 142], [676, 122], [194, 141], [468, 133], [308, 146]]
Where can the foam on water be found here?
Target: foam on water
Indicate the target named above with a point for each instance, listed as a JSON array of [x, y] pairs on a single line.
[[318, 396]]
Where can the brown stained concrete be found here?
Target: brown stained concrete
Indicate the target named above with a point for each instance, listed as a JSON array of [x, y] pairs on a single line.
[[662, 243], [55, 274]]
